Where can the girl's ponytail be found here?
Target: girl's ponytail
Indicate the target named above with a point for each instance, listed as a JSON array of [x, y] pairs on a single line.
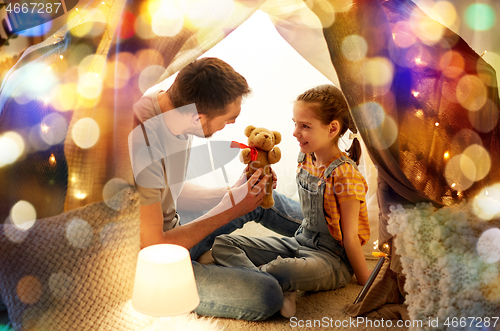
[[354, 152]]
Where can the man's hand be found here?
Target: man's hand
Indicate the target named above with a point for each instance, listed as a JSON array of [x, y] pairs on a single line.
[[244, 196], [275, 177]]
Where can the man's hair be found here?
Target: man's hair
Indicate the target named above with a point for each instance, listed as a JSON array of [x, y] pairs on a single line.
[[210, 83]]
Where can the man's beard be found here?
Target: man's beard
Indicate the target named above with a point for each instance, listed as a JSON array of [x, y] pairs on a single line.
[[204, 132]]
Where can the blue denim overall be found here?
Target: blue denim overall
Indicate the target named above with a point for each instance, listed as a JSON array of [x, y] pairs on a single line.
[[310, 261]]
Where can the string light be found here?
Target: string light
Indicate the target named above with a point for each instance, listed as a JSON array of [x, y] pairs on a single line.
[[52, 159], [484, 53], [436, 124], [61, 57], [415, 93], [80, 195], [446, 155], [44, 128]]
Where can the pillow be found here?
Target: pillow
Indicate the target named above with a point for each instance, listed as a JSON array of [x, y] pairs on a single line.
[[74, 271], [450, 259]]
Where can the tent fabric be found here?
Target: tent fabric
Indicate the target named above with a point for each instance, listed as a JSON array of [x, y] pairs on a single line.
[[403, 97]]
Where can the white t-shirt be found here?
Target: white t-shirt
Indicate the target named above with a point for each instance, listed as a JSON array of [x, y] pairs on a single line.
[[160, 159]]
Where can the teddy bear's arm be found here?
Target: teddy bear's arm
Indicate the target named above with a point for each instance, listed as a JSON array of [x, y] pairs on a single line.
[[274, 155], [245, 156]]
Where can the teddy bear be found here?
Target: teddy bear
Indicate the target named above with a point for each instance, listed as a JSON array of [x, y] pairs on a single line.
[[262, 152]]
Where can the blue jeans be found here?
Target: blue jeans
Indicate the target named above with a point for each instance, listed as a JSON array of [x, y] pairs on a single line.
[[238, 292], [284, 218]]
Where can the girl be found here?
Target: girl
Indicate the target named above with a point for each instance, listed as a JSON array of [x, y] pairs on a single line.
[[326, 248]]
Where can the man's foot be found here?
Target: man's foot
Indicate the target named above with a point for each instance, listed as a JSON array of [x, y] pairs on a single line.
[[289, 304]]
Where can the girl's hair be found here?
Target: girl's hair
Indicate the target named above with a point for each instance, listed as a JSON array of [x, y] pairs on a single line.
[[333, 106]]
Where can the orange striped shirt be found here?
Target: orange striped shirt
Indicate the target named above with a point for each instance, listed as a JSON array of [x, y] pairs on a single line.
[[345, 183]]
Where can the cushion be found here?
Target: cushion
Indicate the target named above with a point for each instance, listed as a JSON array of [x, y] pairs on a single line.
[[74, 271], [450, 259]]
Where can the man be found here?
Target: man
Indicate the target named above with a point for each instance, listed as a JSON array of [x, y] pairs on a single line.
[[205, 96]]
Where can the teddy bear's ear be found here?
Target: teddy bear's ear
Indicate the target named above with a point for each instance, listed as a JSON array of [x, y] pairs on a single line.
[[249, 129], [277, 137]]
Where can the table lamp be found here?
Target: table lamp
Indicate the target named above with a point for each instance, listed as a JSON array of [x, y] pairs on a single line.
[[164, 283]]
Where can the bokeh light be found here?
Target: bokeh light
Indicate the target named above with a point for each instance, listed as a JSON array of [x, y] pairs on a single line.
[[29, 290], [91, 64], [79, 233], [92, 28], [403, 35], [63, 97], [354, 47], [468, 167], [35, 140], [111, 188], [480, 16], [205, 14], [493, 59], [129, 60], [85, 132], [143, 27], [454, 172], [463, 139], [387, 134], [310, 20], [378, 71], [486, 205], [39, 81], [167, 22], [61, 285], [486, 119], [11, 147], [373, 114], [23, 215], [326, 12], [471, 93], [425, 28], [117, 75], [481, 159], [54, 128], [127, 27], [488, 245], [445, 13], [452, 64], [90, 86], [150, 77]]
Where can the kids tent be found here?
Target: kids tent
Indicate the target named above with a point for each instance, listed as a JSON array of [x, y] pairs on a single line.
[[425, 103]]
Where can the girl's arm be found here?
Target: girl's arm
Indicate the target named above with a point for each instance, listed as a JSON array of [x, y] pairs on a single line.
[[349, 216]]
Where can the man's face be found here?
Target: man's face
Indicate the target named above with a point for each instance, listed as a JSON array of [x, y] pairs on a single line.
[[211, 126]]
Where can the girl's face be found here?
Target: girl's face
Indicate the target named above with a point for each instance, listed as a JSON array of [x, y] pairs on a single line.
[[313, 136]]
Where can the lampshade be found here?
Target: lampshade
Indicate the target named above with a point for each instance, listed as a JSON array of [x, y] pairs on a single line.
[[164, 282]]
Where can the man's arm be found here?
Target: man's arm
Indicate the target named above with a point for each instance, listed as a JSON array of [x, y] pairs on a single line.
[[246, 198], [198, 198], [349, 216]]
